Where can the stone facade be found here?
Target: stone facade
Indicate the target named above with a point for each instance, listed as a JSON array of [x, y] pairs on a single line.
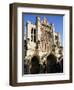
[[41, 40]]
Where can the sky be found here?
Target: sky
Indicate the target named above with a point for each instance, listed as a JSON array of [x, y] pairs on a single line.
[[57, 20]]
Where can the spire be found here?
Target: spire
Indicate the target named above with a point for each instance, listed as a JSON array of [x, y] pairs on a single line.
[[45, 20]]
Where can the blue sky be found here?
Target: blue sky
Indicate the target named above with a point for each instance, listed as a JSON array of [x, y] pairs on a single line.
[[57, 20]]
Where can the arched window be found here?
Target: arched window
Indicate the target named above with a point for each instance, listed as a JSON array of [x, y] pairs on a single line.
[[33, 35]]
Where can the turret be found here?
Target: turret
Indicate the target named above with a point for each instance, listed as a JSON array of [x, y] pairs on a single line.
[[28, 30], [38, 24]]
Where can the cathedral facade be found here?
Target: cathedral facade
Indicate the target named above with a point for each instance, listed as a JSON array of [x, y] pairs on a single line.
[[41, 40]]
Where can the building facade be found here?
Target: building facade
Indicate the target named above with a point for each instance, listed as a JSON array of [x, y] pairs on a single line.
[[41, 40]]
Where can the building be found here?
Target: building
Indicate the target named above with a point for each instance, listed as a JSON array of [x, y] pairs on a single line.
[[41, 40]]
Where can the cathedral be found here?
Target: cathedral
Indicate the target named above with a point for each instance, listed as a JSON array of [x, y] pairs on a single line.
[[41, 40]]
